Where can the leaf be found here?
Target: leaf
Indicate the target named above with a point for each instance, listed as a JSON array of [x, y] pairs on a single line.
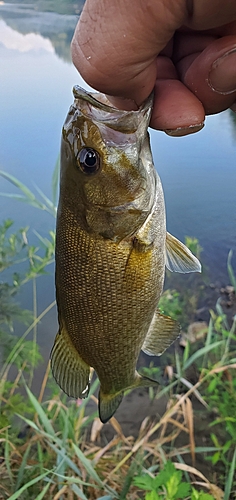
[[41, 413], [28, 197], [205, 496], [17, 494], [230, 478], [153, 495], [55, 180], [48, 202], [63, 454], [88, 465], [230, 270], [168, 471], [183, 490], [106, 497], [201, 352], [145, 482], [42, 493], [22, 467], [78, 492]]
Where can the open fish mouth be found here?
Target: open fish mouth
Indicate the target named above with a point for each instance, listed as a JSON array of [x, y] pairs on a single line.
[[97, 107]]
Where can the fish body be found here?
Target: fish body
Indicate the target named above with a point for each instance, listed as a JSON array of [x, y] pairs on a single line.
[[111, 252]]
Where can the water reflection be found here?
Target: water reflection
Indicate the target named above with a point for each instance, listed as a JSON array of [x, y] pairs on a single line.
[[24, 24]]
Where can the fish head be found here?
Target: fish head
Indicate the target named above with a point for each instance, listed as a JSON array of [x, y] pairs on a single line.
[[107, 173]]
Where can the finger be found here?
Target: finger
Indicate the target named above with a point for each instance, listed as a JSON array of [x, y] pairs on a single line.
[[208, 15], [211, 75], [176, 110], [115, 45]]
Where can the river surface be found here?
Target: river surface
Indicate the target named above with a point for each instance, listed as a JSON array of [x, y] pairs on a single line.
[[198, 172]]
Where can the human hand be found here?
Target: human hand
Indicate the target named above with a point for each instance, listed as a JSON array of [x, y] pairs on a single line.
[[184, 49]]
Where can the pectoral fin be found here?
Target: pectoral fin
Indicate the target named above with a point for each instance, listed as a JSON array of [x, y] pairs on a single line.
[[69, 370], [162, 332], [179, 258]]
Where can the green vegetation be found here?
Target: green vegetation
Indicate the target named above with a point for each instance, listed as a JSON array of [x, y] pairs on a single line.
[[169, 484], [54, 448]]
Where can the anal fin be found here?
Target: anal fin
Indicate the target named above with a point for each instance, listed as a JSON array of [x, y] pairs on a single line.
[[69, 370], [162, 332]]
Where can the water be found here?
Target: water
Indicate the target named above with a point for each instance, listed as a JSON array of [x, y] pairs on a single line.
[[198, 172]]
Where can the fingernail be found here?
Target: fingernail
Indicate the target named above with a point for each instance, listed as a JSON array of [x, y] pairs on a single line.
[[179, 131], [222, 76]]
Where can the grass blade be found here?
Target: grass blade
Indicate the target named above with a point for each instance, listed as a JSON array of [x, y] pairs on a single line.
[[42, 493], [55, 181], [88, 465], [41, 413], [7, 459], [78, 492], [63, 454], [201, 352], [230, 270], [91, 471], [17, 494], [48, 202], [29, 196], [106, 497], [22, 468], [229, 480]]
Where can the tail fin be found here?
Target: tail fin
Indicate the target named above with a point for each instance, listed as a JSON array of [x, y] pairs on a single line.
[[108, 403]]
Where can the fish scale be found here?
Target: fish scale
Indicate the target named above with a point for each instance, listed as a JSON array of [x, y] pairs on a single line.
[[111, 251]]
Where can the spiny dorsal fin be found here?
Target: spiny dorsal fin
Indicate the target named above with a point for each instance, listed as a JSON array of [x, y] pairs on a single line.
[[179, 258], [162, 332], [69, 370]]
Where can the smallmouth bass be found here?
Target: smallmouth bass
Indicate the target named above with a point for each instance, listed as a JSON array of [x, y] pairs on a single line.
[[111, 251]]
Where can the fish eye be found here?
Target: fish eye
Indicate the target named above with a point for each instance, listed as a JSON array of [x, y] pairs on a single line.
[[89, 160]]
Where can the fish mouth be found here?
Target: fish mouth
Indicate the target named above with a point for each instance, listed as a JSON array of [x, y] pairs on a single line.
[[97, 107]]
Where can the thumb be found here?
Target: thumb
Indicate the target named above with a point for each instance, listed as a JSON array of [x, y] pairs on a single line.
[[115, 44]]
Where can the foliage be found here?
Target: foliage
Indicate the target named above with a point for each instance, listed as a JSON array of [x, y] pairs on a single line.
[[193, 245], [168, 484], [170, 304], [230, 270]]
